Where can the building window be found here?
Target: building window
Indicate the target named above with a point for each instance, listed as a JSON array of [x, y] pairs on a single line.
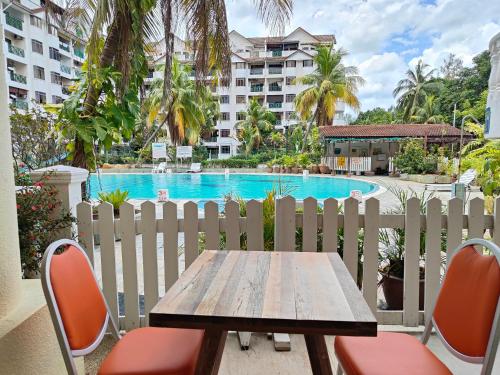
[[56, 99], [307, 63], [240, 82], [289, 115], [290, 80], [225, 133], [55, 78], [240, 116], [241, 99], [54, 54], [36, 21], [290, 98], [37, 46], [40, 97], [38, 72], [225, 149], [224, 99], [291, 64], [52, 30], [224, 116], [239, 65]]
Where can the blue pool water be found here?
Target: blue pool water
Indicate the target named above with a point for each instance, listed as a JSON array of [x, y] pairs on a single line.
[[216, 186]]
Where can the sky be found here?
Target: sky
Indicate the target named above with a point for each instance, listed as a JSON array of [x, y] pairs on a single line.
[[386, 37]]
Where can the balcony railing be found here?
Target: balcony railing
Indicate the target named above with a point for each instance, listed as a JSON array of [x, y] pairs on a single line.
[[64, 46], [277, 122], [275, 105], [17, 77], [79, 52], [256, 71], [259, 88], [16, 50], [21, 104], [65, 69], [275, 88], [277, 53], [275, 70], [13, 21]]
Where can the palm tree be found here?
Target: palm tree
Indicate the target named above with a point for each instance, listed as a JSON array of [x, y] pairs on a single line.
[[130, 24], [331, 82], [252, 130], [412, 90], [184, 115], [429, 112]]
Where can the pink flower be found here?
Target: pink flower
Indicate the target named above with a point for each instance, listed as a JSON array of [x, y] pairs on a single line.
[[18, 206], [33, 208], [39, 183]]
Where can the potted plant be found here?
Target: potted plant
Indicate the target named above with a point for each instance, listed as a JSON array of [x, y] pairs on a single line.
[[303, 161], [392, 254], [269, 167], [314, 168], [324, 169], [116, 198], [295, 165], [288, 163]]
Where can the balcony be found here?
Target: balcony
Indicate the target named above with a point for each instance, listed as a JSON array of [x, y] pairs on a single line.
[[79, 52], [15, 50], [276, 105], [257, 88], [65, 69], [64, 46], [13, 21], [18, 77], [275, 70], [20, 104], [277, 53], [275, 88], [256, 71]]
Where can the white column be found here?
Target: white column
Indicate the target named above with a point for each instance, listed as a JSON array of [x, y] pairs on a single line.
[[10, 264]]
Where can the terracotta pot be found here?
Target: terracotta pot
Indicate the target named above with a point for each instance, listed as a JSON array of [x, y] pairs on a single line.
[[288, 170], [276, 169], [295, 170], [314, 169], [324, 169], [268, 170], [393, 288]]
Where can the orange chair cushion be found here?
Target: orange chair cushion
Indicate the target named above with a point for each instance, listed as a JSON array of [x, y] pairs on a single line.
[[388, 353], [78, 297], [466, 305], [154, 351]]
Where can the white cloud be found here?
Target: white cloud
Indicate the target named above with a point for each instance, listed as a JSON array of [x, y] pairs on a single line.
[[382, 35]]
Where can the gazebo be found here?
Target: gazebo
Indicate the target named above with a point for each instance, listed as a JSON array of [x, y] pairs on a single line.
[[369, 148]]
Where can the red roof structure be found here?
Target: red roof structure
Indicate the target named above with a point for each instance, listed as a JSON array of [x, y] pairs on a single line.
[[431, 132]]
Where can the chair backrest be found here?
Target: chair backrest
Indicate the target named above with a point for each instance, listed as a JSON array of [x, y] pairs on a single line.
[[467, 309], [468, 176], [78, 309]]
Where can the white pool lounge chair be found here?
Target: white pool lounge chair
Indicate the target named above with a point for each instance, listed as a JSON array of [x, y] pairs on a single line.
[[160, 168], [466, 178], [195, 168]]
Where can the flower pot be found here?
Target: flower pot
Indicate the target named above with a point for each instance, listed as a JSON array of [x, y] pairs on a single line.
[[295, 170], [314, 169], [324, 169], [288, 170], [393, 288], [268, 170], [276, 169]]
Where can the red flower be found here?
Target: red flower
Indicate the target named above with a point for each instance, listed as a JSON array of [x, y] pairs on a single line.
[[39, 183], [33, 208], [18, 206]]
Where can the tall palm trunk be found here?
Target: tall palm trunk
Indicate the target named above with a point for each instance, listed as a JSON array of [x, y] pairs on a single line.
[[308, 127], [107, 56]]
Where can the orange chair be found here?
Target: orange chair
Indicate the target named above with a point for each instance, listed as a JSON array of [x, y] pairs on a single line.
[[81, 316], [465, 317]]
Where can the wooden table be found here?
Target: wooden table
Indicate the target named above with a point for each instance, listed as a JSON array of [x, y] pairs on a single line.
[[291, 292]]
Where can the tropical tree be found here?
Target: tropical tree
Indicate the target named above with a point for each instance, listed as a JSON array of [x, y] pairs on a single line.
[[256, 125], [331, 82], [276, 139], [184, 114], [429, 112], [412, 90], [121, 31]]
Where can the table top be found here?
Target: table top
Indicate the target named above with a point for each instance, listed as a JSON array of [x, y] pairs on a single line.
[[260, 291]]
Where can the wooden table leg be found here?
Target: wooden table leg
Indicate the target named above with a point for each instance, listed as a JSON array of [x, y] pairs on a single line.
[[211, 351], [318, 355]]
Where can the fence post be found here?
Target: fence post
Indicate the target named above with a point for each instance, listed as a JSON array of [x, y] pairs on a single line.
[[411, 266]]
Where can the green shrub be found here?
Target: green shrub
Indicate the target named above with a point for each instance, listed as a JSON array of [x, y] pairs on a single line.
[[231, 163], [412, 159], [116, 198]]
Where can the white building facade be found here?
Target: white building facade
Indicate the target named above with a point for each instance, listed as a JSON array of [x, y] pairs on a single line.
[[42, 60], [264, 69]]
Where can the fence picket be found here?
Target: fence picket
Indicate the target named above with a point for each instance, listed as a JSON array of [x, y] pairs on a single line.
[[190, 232], [370, 253], [330, 225], [310, 225], [85, 229], [129, 266], [432, 254], [284, 228], [170, 244], [232, 226], [212, 234], [351, 229], [495, 233], [150, 256], [455, 224], [255, 225], [108, 259], [475, 221], [411, 265]]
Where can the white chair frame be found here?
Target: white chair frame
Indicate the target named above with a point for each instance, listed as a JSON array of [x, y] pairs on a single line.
[[489, 359], [67, 352]]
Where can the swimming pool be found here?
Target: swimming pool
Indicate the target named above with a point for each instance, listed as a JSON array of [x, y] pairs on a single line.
[[215, 186]]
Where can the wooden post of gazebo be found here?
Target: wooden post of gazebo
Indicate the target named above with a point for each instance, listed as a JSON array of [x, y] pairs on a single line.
[[349, 158]]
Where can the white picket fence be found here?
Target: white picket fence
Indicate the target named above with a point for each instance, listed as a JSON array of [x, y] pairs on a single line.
[[340, 163], [167, 224]]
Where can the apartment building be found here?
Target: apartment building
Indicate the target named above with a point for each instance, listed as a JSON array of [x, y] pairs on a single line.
[[264, 69], [42, 59]]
